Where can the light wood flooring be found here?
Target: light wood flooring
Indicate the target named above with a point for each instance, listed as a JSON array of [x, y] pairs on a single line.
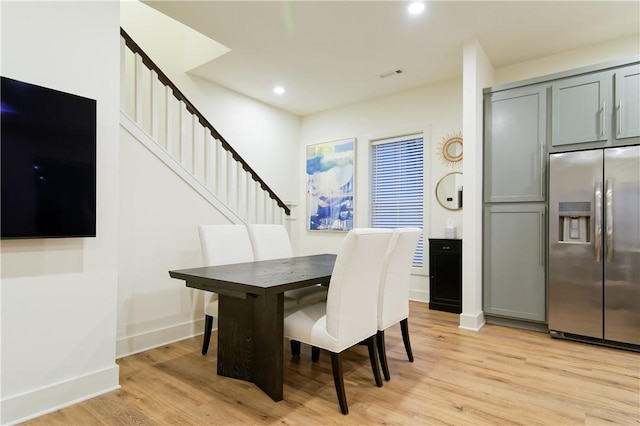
[[496, 376]]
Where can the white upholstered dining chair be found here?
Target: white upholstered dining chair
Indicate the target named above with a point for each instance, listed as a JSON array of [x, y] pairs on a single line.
[[221, 244], [271, 241], [349, 316], [393, 298]]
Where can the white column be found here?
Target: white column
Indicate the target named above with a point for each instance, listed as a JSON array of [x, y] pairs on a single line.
[[477, 74]]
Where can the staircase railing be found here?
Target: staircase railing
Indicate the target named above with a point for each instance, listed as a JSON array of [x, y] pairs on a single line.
[[157, 106]]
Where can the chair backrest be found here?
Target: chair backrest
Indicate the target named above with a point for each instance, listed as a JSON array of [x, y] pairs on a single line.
[[269, 241], [352, 300], [225, 244], [393, 298]]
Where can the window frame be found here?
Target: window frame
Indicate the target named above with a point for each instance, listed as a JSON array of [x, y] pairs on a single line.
[[421, 269]]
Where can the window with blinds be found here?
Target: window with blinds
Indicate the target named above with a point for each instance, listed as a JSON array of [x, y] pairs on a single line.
[[397, 186]]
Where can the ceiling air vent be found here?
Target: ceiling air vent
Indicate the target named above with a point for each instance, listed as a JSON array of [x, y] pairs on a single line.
[[391, 73]]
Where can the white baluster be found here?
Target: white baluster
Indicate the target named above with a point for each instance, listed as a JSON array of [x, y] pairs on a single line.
[[154, 101], [260, 205], [184, 134], [169, 120], [221, 162], [199, 140], [266, 206], [192, 141], [232, 176], [123, 74], [251, 197], [139, 67], [210, 161], [274, 211], [248, 191], [240, 195], [239, 186]]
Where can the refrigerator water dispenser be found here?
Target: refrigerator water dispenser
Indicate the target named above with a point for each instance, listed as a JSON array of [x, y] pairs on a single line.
[[575, 219]]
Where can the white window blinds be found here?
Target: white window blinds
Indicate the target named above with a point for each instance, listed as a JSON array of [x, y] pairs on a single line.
[[397, 186]]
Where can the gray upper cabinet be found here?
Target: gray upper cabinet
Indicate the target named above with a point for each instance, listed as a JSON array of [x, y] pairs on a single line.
[[580, 109], [600, 108], [514, 261], [627, 106], [514, 141]]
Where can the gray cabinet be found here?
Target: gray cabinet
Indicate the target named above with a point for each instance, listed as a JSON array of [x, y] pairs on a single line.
[[590, 108], [514, 261], [627, 91], [514, 192], [580, 109], [601, 109], [514, 141]]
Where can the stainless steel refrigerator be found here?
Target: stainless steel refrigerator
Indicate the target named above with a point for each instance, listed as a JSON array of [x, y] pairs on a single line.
[[594, 246]]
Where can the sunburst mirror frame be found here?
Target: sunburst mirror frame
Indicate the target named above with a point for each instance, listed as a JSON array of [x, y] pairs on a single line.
[[448, 151]]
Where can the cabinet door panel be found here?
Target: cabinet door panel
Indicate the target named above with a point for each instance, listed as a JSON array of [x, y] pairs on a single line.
[[628, 102], [514, 259], [515, 128], [581, 109]]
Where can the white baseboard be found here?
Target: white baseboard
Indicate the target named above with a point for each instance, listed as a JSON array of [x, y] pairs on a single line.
[[419, 295], [152, 339], [472, 322], [26, 406]]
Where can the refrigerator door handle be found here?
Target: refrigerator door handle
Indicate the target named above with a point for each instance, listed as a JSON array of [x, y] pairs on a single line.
[[598, 220], [608, 199]]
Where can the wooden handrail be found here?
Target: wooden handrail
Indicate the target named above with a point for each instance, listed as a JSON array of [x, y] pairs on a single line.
[[203, 121]]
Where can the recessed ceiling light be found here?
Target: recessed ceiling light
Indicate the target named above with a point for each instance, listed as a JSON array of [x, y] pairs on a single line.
[[278, 90], [415, 8]]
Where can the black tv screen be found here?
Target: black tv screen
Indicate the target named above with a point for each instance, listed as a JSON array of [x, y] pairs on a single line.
[[48, 162]]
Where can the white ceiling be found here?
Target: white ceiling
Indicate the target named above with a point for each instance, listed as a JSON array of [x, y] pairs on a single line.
[[332, 53]]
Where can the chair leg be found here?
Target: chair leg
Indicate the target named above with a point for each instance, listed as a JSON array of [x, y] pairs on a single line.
[[295, 348], [315, 353], [208, 325], [404, 326], [382, 354], [336, 365], [373, 357]]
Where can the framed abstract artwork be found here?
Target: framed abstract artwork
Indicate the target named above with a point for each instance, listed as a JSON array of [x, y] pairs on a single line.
[[330, 172]]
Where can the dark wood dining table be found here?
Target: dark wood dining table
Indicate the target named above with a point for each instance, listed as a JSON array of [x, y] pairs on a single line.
[[251, 312]]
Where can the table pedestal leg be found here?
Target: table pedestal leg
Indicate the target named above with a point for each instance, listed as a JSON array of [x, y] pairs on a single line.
[[250, 336]]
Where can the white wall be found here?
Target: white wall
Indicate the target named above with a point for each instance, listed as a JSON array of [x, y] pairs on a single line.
[[434, 110], [59, 295], [591, 55], [159, 218]]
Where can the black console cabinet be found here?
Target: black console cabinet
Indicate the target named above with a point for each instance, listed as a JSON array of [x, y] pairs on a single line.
[[445, 271]]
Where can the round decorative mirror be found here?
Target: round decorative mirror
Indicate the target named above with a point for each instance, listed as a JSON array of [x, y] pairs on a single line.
[[451, 149], [449, 191]]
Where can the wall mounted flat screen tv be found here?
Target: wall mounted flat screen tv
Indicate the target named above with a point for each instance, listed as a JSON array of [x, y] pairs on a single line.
[[48, 162]]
